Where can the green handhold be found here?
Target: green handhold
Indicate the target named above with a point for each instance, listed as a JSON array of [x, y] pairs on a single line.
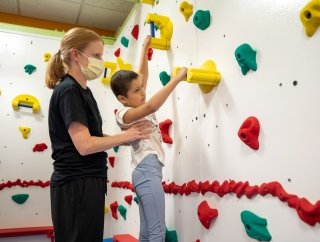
[[116, 148], [164, 77], [124, 41], [123, 211], [136, 199], [20, 198], [246, 58], [171, 236], [29, 68], [201, 19], [255, 226]]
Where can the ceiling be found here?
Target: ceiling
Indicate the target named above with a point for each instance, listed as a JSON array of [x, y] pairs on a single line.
[[105, 15]]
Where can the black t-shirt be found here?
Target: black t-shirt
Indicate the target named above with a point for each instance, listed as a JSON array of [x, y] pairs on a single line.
[[72, 103]]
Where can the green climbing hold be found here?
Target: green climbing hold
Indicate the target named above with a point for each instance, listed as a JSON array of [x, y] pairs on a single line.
[[20, 198], [255, 226], [246, 58], [171, 236], [164, 77], [29, 68], [201, 19], [136, 199], [124, 41], [123, 211], [116, 148]]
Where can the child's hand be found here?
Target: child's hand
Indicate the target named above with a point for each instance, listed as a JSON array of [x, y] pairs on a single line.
[[181, 74], [147, 41]]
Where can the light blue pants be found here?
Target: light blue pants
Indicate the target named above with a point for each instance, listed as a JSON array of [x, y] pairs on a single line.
[[147, 182]]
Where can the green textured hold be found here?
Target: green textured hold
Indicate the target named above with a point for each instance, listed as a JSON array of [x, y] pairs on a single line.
[[29, 68], [124, 41], [201, 19], [116, 148], [164, 77], [246, 58], [136, 199], [255, 226], [171, 236], [20, 198], [123, 211]]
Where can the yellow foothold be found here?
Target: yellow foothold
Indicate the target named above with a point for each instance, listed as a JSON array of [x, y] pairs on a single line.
[[46, 56], [122, 65], [166, 29], [151, 2], [207, 76], [27, 101], [186, 9], [106, 210], [113, 68], [25, 131], [310, 17]]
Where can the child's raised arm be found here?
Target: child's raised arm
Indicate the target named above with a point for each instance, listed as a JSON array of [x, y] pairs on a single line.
[[156, 100], [143, 65]]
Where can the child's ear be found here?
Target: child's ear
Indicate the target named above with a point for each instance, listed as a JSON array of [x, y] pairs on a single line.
[[122, 99]]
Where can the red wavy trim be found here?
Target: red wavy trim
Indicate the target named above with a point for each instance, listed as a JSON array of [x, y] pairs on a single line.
[[24, 183], [308, 212]]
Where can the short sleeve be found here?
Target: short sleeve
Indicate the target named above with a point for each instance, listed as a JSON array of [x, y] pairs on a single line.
[[71, 107], [119, 117]]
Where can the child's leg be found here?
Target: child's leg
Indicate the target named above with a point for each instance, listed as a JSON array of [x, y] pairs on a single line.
[[147, 180]]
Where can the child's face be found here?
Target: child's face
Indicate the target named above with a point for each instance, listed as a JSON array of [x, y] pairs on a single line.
[[136, 95]]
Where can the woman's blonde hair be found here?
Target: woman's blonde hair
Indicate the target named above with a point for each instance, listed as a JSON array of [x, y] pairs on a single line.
[[76, 38]]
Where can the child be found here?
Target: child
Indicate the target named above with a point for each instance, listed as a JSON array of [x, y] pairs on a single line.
[[147, 154]]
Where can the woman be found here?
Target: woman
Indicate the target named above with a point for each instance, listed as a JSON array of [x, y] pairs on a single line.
[[78, 182]]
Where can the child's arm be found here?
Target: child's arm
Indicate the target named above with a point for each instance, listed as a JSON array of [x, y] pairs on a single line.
[[143, 66], [155, 101]]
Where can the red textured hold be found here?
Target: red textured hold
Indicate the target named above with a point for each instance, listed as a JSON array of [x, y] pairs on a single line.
[[124, 238], [150, 53], [249, 132], [164, 128], [117, 52], [194, 186], [128, 199], [114, 209], [206, 214], [115, 111], [111, 160], [197, 240], [135, 32], [40, 147]]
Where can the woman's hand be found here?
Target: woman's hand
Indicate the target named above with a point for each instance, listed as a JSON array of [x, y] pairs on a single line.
[[140, 130]]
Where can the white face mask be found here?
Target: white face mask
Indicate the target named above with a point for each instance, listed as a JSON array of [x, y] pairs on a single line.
[[93, 70]]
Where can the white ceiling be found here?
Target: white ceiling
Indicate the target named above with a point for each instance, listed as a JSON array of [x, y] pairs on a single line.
[[101, 14]]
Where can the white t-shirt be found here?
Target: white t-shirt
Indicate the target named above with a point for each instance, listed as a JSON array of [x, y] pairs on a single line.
[[141, 148]]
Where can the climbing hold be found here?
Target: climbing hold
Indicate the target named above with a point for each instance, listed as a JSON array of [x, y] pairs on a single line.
[[106, 210], [136, 199], [255, 226], [164, 128], [310, 17], [246, 58], [115, 149], [166, 30], [25, 131], [122, 65], [20, 198], [46, 56], [114, 207], [186, 9], [201, 19], [164, 77], [113, 68], [128, 199], [124, 41], [171, 236], [151, 2], [206, 214], [150, 52], [117, 52], [29, 68], [27, 101], [135, 32], [123, 211], [207, 76], [40, 147], [111, 160], [249, 132]]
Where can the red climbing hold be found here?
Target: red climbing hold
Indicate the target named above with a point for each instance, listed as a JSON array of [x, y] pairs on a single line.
[[40, 147], [135, 32], [206, 214], [249, 132], [150, 52], [114, 209], [164, 127], [111, 160], [128, 199], [117, 52]]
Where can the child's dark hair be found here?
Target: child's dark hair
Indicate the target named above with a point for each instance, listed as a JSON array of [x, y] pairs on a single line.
[[121, 80]]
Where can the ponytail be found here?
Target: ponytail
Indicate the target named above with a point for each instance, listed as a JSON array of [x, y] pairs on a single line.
[[55, 71]]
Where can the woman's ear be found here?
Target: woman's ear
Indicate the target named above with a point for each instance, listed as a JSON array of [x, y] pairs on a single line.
[[74, 55], [122, 99]]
